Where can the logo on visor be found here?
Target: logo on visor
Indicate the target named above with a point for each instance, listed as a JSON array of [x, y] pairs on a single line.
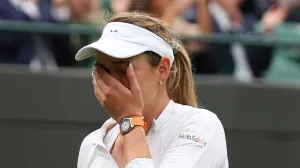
[[110, 32]]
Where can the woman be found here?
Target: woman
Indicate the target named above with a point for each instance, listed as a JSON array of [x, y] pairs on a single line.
[[143, 79]]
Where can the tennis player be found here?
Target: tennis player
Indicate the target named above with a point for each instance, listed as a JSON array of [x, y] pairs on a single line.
[[143, 79]]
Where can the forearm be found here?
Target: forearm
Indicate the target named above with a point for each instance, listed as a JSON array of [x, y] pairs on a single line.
[[204, 18], [135, 145]]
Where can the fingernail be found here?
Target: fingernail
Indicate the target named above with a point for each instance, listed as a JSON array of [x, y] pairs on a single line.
[[93, 76], [130, 66]]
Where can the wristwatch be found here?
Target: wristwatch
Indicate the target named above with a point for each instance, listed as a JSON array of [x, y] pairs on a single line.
[[127, 124]]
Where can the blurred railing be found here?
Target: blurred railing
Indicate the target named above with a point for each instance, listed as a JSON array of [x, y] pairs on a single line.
[[250, 39], [283, 38]]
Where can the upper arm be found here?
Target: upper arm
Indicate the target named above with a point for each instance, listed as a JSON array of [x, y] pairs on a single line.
[[199, 143]]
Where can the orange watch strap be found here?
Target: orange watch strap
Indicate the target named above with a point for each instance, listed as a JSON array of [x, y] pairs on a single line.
[[139, 122]]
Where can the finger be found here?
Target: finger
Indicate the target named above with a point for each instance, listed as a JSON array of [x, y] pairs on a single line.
[[99, 82], [98, 92], [133, 83], [109, 80], [107, 91]]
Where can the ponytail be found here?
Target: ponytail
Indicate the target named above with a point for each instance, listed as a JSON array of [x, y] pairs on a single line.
[[180, 85]]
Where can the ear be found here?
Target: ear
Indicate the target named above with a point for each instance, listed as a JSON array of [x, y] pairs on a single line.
[[164, 69]]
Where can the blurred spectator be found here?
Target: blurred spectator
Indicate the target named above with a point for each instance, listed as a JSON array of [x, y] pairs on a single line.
[[239, 17], [277, 13], [85, 12], [286, 63], [186, 17], [52, 50], [17, 48], [171, 11], [63, 47], [178, 24], [38, 50], [203, 61], [228, 18], [41, 50]]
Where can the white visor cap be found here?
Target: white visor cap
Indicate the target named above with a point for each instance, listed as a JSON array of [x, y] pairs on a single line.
[[123, 40]]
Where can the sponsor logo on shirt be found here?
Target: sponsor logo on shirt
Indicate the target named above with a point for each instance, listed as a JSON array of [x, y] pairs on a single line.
[[193, 138]]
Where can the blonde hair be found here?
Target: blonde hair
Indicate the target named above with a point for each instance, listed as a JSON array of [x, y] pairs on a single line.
[[180, 85]]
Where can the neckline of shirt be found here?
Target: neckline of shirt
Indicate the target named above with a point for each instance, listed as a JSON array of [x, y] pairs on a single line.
[[163, 117]]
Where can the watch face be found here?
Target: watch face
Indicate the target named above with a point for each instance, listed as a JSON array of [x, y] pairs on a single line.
[[125, 125]]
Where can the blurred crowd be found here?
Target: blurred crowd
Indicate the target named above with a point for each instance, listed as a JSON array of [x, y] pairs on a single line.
[[186, 17]]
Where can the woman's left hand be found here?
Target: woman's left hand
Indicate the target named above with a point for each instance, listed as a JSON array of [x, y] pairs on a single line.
[[120, 102]]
